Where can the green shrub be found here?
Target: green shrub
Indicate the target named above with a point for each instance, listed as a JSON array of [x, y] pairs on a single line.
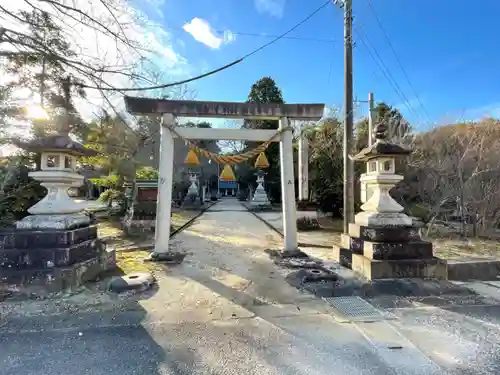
[[307, 223]]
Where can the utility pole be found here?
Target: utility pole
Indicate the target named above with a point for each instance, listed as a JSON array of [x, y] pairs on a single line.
[[371, 117], [348, 118]]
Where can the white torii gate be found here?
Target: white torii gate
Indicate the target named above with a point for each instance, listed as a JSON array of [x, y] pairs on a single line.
[[170, 109]]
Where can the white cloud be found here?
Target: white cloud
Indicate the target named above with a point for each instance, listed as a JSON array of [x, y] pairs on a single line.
[[274, 7], [98, 48], [201, 30]]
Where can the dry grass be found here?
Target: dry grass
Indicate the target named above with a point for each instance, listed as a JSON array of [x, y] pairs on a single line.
[[466, 249], [134, 261], [109, 229]]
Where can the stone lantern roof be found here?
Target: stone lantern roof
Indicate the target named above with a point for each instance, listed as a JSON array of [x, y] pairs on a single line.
[[381, 147], [56, 143]]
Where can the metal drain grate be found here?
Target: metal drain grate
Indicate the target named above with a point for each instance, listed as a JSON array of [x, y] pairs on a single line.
[[354, 309]]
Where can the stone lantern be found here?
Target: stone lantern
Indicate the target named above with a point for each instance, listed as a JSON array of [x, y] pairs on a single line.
[[260, 198], [56, 247], [382, 243], [57, 209], [192, 200], [380, 178]]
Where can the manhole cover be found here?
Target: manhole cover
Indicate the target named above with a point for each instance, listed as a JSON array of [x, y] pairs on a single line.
[[354, 308]]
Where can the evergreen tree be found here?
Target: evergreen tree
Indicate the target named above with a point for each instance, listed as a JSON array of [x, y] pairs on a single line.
[[265, 91]]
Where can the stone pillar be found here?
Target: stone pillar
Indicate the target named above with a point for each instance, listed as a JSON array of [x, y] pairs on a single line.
[[164, 200], [288, 187], [303, 168]]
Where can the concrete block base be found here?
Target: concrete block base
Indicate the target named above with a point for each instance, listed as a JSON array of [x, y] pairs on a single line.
[[388, 252], [431, 268], [39, 282], [342, 256]]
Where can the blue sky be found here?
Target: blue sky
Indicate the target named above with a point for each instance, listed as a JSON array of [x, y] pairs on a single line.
[[446, 48]]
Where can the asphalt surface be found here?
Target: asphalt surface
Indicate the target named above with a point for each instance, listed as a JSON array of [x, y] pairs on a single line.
[[228, 310]]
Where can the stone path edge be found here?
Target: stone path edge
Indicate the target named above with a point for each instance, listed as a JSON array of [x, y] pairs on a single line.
[[272, 227]]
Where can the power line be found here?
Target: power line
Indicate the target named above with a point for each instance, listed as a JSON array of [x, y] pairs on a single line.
[[163, 86], [301, 38], [372, 8], [385, 71], [383, 68]]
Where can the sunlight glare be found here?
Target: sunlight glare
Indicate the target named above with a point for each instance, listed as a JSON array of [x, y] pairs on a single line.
[[36, 112]]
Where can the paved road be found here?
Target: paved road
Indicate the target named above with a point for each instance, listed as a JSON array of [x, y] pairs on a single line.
[[227, 310]]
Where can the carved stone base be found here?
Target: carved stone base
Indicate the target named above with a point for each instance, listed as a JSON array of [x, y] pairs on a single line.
[[375, 219], [51, 260], [23, 239], [430, 268], [377, 252], [192, 202], [39, 282], [69, 221], [36, 257], [260, 198], [397, 251], [262, 203], [384, 234], [342, 256], [39, 249]]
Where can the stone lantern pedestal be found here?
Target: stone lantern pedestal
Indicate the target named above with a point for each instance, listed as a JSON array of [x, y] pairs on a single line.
[[56, 247], [383, 243]]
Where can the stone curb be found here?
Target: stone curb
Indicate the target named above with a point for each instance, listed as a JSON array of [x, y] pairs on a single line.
[[273, 228], [473, 270]]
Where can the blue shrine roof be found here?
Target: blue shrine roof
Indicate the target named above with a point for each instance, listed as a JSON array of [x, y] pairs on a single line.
[[228, 184]]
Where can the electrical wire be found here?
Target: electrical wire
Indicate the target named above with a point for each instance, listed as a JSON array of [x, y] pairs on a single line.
[[383, 68], [372, 8], [301, 38], [365, 40], [163, 86]]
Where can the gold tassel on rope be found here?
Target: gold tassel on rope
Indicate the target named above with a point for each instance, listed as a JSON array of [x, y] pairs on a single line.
[[227, 174], [192, 158], [261, 161]]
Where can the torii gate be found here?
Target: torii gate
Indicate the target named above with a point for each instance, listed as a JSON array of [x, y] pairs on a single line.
[[170, 109]]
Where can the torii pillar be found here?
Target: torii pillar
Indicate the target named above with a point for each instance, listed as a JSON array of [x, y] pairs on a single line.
[[303, 168]]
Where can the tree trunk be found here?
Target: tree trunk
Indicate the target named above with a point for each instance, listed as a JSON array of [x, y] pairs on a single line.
[[474, 224], [463, 228]]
